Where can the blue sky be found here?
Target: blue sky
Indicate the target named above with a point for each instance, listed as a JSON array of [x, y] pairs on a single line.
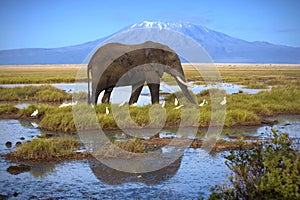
[[56, 23]]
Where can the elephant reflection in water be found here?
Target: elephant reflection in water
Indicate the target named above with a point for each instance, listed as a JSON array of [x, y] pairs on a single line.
[[115, 177], [117, 64]]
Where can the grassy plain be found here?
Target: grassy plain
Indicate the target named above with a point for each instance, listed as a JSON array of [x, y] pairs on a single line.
[[25, 74], [252, 75]]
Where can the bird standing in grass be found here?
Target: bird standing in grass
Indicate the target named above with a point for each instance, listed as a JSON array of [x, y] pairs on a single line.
[[223, 102], [203, 103], [176, 102], [34, 113], [163, 104], [106, 110]]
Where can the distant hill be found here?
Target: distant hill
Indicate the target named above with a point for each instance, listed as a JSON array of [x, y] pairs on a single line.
[[221, 47]]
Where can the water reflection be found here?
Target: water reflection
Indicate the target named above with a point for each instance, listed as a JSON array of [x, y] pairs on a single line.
[[115, 177], [189, 177], [41, 169]]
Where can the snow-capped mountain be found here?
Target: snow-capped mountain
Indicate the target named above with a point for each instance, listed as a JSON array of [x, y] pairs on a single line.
[[180, 27], [221, 48]]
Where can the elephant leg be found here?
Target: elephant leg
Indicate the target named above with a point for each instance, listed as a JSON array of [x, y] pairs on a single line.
[[96, 96], [106, 96], [136, 91], [154, 90], [94, 93]]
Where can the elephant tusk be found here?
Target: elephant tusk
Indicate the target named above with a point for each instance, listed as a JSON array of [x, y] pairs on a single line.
[[183, 82]]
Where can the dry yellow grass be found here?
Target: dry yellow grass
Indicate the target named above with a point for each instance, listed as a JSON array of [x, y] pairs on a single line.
[[247, 74], [38, 73]]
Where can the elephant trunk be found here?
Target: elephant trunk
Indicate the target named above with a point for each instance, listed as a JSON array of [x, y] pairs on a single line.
[[179, 77], [185, 91]]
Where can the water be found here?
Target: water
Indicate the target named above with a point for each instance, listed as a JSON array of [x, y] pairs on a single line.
[[16, 131], [286, 124], [122, 94], [189, 177]]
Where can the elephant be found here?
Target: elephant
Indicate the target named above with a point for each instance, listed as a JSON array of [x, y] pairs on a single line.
[[117, 64]]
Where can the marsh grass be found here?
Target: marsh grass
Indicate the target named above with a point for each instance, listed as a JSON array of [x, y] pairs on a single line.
[[241, 109], [280, 100], [59, 119], [43, 93], [134, 145], [42, 110], [47, 149], [8, 109]]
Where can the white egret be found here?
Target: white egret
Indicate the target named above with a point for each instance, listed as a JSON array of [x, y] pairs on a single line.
[[106, 110], [202, 103], [223, 102], [163, 104], [34, 113], [176, 102]]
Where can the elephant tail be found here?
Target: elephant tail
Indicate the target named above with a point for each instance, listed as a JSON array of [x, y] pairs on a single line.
[[88, 76]]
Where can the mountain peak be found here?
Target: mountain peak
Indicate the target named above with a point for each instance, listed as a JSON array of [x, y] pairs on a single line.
[[167, 25]]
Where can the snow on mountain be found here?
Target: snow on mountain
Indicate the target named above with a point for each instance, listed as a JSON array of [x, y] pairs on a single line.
[[167, 25], [221, 48]]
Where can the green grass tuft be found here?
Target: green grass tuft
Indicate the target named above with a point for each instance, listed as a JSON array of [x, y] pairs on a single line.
[[7, 109], [47, 149], [44, 93]]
